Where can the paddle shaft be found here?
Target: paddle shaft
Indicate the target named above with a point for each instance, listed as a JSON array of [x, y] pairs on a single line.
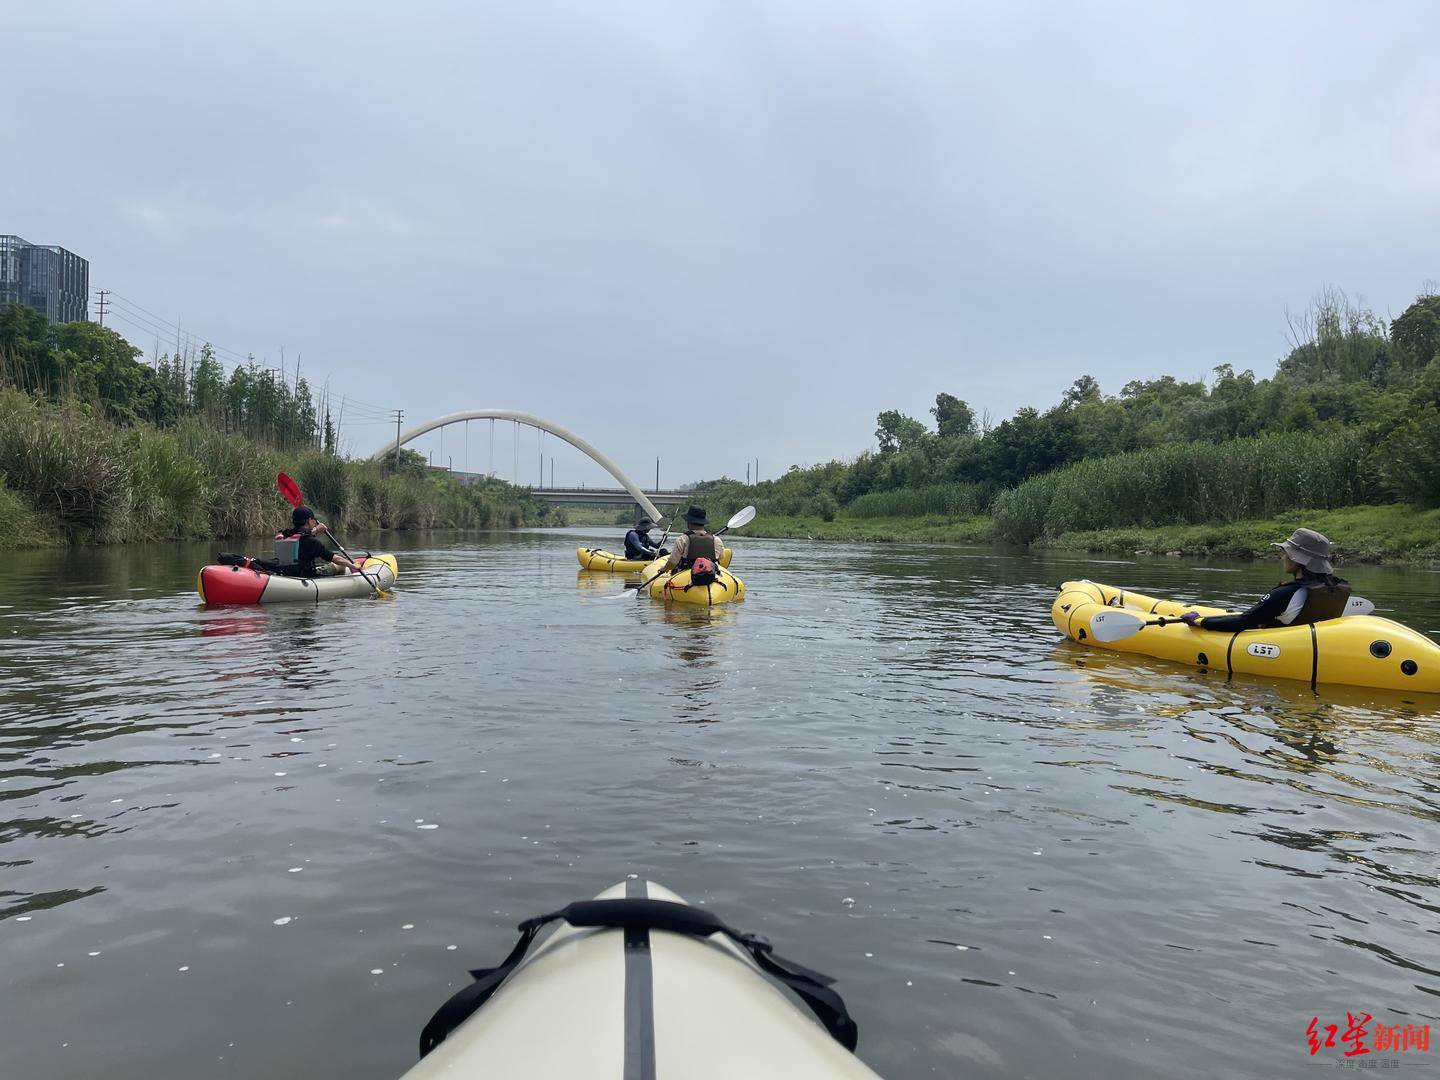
[[1356, 605], [669, 525], [373, 584]]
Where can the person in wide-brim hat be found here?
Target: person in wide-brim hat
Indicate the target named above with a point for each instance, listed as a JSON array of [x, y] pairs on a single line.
[[1313, 594], [1308, 549], [695, 542], [638, 544]]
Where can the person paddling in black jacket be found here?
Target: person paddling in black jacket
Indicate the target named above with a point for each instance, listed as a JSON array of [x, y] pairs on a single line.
[[1313, 595], [638, 544], [310, 550]]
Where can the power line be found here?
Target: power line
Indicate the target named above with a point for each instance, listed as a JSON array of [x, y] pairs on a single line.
[[365, 415], [164, 328], [147, 321]]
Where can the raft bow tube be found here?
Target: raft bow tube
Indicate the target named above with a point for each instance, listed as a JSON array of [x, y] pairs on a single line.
[[677, 588], [1358, 650], [218, 584], [640, 989], [600, 559]]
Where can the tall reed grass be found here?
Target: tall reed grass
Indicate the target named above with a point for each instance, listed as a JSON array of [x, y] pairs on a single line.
[[955, 500], [1193, 483], [66, 473]]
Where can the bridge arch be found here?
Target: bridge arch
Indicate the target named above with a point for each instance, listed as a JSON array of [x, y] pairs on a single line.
[[412, 433]]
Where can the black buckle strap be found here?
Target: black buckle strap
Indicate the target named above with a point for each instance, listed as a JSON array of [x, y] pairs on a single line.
[[809, 985], [487, 980]]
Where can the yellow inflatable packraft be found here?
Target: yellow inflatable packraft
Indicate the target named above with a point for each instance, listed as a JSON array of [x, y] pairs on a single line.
[[1358, 650], [677, 588], [600, 559]]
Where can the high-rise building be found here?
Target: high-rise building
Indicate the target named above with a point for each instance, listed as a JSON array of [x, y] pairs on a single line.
[[53, 281]]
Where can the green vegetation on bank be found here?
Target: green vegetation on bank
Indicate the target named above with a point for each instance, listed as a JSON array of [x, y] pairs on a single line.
[[1351, 418], [597, 515], [932, 528], [96, 447], [1192, 483], [1396, 533], [1369, 534]]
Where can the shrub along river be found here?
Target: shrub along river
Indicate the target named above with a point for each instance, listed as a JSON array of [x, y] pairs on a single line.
[[269, 841]]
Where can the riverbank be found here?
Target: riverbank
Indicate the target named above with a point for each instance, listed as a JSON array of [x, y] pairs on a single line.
[[69, 476], [929, 528], [1361, 534]]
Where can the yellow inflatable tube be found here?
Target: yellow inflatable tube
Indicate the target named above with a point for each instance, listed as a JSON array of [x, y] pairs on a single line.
[[1359, 650], [599, 559], [677, 588]]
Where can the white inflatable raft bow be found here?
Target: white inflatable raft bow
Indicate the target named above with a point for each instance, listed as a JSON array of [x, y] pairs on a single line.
[[638, 985]]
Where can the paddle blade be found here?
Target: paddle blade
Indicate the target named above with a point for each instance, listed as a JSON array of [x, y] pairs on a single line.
[[1358, 605], [290, 490], [743, 517], [1112, 624]]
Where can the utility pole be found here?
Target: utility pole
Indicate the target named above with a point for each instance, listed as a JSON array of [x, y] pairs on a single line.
[[100, 307], [657, 472], [399, 415]]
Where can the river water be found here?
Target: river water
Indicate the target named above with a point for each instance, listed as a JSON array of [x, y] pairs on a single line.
[[269, 842]]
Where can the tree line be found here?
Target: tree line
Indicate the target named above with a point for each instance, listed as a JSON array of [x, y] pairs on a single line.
[[96, 446], [1346, 371], [89, 363]]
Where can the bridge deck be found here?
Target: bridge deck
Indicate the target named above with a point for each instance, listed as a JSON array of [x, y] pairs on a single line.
[[604, 496]]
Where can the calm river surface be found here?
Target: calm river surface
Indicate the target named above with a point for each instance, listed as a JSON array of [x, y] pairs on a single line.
[[268, 842]]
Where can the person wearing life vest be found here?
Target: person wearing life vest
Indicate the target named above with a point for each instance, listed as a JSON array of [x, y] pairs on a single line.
[[696, 550], [638, 544], [309, 550], [1313, 595]]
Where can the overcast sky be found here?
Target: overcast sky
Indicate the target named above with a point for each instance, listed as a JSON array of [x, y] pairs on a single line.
[[720, 231]]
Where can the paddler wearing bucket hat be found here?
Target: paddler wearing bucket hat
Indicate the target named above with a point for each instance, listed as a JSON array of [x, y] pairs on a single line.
[[638, 544], [695, 543], [1313, 594]]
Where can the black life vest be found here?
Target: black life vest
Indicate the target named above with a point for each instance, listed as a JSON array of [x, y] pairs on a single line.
[[698, 547], [1325, 598]]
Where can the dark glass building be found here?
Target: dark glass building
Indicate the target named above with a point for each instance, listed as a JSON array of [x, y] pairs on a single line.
[[53, 281]]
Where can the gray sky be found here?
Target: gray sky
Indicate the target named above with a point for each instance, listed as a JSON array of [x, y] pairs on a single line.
[[719, 231]]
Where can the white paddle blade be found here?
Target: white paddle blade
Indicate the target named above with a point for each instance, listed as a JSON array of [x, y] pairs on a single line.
[[744, 517], [1358, 605], [1112, 624]]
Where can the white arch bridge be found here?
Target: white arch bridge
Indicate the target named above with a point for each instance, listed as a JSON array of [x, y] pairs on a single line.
[[628, 492]]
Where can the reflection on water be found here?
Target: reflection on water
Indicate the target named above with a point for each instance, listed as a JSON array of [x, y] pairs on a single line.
[[1020, 856]]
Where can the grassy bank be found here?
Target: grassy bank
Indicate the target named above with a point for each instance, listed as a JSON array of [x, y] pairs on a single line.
[[71, 476], [1401, 534], [929, 529], [599, 515]]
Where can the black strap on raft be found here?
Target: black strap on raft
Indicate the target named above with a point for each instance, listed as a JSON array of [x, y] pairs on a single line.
[[811, 986]]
